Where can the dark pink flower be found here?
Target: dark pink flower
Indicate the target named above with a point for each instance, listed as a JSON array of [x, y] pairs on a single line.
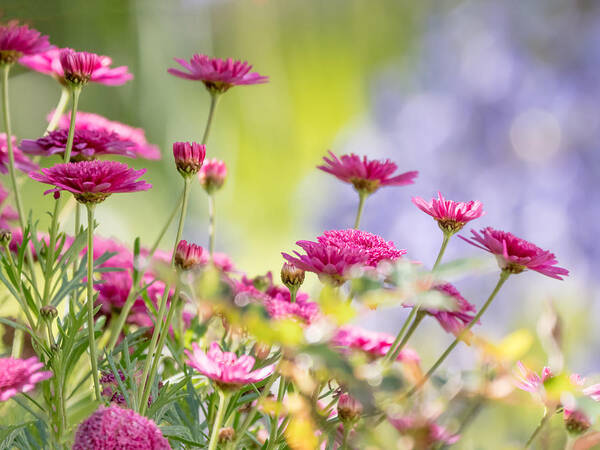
[[460, 314], [425, 432], [188, 256], [18, 40], [216, 74], [112, 428], [49, 63], [20, 375], [212, 175], [365, 175], [189, 157], [92, 181], [451, 216], [225, 368], [516, 255], [21, 161]]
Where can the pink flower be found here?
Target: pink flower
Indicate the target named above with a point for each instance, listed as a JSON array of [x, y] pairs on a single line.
[[49, 63], [349, 409], [530, 381], [451, 216], [425, 432], [366, 176], [188, 255], [576, 421], [21, 161], [216, 74], [20, 375], [226, 369], [18, 40], [370, 342], [189, 157], [212, 175], [87, 144], [112, 428], [516, 255], [7, 213], [593, 392], [122, 258], [455, 319], [92, 181]]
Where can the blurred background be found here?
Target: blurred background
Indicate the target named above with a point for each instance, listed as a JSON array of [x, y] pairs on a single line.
[[494, 101]]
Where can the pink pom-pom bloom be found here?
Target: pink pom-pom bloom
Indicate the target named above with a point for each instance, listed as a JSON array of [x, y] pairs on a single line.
[[115, 428], [21, 161], [451, 216], [425, 432], [49, 63], [216, 74], [92, 181], [372, 343], [515, 255], [20, 375], [365, 175], [212, 175], [18, 40], [189, 157], [188, 256], [225, 368]]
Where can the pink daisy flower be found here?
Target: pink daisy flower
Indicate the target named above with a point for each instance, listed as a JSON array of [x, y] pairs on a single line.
[[189, 157], [20, 375], [212, 175], [18, 40], [528, 380], [365, 175], [451, 216], [92, 181], [21, 161], [188, 255], [112, 428], [216, 74], [227, 370], [516, 255], [425, 432]]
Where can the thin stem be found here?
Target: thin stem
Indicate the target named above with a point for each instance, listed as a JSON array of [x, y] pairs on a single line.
[[214, 436], [346, 431], [275, 422], [420, 316], [447, 237], [214, 99], [21, 300], [17, 344], [539, 428], [75, 91], [361, 203], [58, 111], [503, 277], [90, 299], [408, 320], [211, 224], [166, 226]]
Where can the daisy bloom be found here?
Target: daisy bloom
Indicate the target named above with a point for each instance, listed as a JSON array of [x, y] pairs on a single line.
[[365, 175], [21, 161], [92, 181], [451, 216], [212, 175], [217, 75], [20, 375], [18, 40], [515, 255], [227, 370]]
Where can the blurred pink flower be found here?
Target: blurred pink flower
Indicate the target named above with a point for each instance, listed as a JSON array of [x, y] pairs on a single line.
[[279, 305], [20, 375], [18, 40], [365, 175], [593, 392], [514, 254], [576, 421], [212, 175], [21, 161], [7, 212], [528, 380], [453, 320], [425, 432], [451, 216]]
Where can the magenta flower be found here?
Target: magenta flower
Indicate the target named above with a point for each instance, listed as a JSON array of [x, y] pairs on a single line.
[[18, 40], [189, 157], [425, 432], [278, 303], [21, 161], [122, 258], [87, 144], [372, 343], [49, 63], [515, 255], [20, 375], [7, 213], [451, 216], [226, 369], [212, 175], [189, 255], [365, 175], [216, 74], [112, 428], [92, 181]]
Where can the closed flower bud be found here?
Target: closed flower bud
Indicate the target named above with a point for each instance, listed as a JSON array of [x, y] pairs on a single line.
[[576, 421], [261, 351], [78, 67], [291, 276], [226, 434], [5, 236], [212, 175], [349, 409], [188, 255], [48, 312], [189, 157]]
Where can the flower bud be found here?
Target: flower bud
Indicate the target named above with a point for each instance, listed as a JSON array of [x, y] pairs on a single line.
[[189, 157], [291, 276], [576, 421], [261, 350], [226, 434], [349, 409], [188, 255], [5, 236], [212, 175], [48, 312], [78, 66]]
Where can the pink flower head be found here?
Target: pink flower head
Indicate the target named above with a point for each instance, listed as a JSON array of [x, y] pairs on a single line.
[[226, 369], [20, 375], [87, 144], [216, 74], [425, 432], [123, 257], [576, 421], [7, 213], [49, 63], [370, 342], [18, 40], [528, 380], [189, 157], [349, 409], [212, 175], [365, 175], [112, 428], [188, 255], [454, 320], [92, 181], [278, 304], [21, 161], [516, 255], [451, 216]]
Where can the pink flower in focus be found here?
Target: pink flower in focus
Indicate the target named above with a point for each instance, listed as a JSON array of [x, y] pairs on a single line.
[[516, 255], [18, 40], [216, 74], [188, 255], [451, 216], [225, 368], [425, 432], [365, 175], [92, 181], [212, 175], [20, 375], [112, 428], [189, 157], [21, 161]]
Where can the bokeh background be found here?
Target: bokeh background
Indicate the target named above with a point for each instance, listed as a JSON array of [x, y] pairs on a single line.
[[488, 100]]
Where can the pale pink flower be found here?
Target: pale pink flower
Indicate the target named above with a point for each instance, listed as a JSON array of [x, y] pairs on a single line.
[[18, 40], [528, 380], [593, 392], [212, 175], [451, 216], [21, 161], [20, 375], [425, 432]]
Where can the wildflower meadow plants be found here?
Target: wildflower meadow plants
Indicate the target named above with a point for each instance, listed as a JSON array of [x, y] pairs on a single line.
[[119, 346]]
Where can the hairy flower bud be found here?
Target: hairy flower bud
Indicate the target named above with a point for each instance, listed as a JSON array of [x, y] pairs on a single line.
[[5, 236], [349, 409], [48, 312], [188, 255], [212, 175], [226, 434], [189, 157], [291, 276]]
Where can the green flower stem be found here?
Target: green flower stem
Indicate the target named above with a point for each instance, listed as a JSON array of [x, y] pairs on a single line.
[[162, 233], [21, 300], [416, 322], [214, 436], [387, 357], [214, 100], [211, 224], [58, 111], [438, 260], [75, 91], [347, 430], [361, 203], [90, 299], [503, 277], [275, 423], [539, 428]]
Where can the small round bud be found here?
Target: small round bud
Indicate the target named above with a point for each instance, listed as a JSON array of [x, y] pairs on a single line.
[[212, 175], [48, 312], [349, 409], [5, 236], [78, 67], [576, 421], [188, 255], [261, 351], [291, 276], [226, 434], [189, 157]]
